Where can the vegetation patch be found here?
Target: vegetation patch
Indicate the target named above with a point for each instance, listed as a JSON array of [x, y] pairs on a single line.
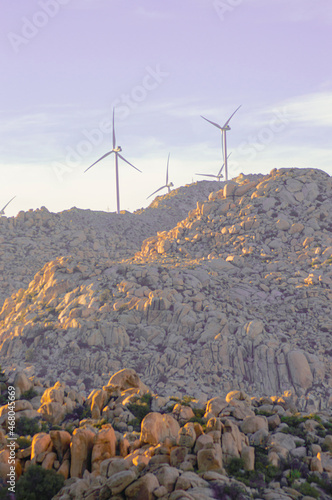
[[140, 409], [38, 484]]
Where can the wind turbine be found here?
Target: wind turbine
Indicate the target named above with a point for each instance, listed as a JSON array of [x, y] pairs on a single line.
[[219, 176], [116, 150], [224, 129], [2, 211], [167, 185]]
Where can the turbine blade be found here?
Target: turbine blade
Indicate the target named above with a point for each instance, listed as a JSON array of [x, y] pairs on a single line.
[[223, 165], [213, 123], [114, 140], [122, 158], [8, 203], [167, 169], [229, 119], [154, 192], [104, 156]]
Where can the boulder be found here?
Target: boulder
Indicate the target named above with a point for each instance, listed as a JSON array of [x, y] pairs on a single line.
[[187, 436], [22, 384], [248, 456], [143, 488], [210, 458], [254, 424], [104, 446], [299, 369], [81, 447], [127, 379], [61, 442], [167, 476], [120, 480], [155, 428], [53, 412], [54, 394]]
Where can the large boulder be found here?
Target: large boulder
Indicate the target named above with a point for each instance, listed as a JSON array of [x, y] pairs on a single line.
[[53, 412], [127, 379], [54, 394], [156, 428], [104, 446], [41, 442], [143, 488], [299, 370], [81, 447], [22, 384], [250, 425], [210, 458], [61, 442]]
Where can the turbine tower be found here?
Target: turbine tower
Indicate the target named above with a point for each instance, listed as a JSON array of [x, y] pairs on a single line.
[[2, 211], [116, 150], [219, 176], [167, 185], [224, 129]]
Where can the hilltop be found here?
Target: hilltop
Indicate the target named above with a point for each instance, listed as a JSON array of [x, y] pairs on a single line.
[[31, 239], [236, 295]]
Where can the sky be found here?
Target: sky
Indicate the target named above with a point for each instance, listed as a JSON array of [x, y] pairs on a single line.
[[65, 64]]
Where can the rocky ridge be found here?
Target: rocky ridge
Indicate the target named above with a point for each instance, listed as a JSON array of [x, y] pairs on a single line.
[[236, 296], [33, 238], [126, 443]]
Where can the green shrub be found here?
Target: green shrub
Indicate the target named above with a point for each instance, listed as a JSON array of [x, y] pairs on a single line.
[[140, 409], [307, 490], [27, 426], [38, 484], [100, 423], [234, 465], [186, 400], [23, 442], [30, 394], [294, 474]]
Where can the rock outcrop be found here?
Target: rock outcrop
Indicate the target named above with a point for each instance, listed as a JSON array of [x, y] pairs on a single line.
[[235, 447]]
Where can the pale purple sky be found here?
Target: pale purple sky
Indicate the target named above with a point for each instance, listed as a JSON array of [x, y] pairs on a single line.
[[65, 63]]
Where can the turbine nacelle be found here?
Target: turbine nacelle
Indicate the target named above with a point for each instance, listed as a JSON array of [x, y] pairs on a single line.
[[117, 149]]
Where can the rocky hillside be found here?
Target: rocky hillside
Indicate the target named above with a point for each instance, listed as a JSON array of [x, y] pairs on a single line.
[[33, 238], [235, 296], [125, 443]]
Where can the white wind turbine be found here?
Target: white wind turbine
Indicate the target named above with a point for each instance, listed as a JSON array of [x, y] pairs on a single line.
[[224, 129], [116, 150], [219, 176], [2, 211], [167, 185]]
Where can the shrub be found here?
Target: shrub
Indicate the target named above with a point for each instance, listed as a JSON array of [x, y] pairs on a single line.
[[235, 464], [80, 413], [27, 426], [38, 484], [23, 442], [100, 423], [294, 474], [228, 492], [30, 394], [307, 490], [140, 409]]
